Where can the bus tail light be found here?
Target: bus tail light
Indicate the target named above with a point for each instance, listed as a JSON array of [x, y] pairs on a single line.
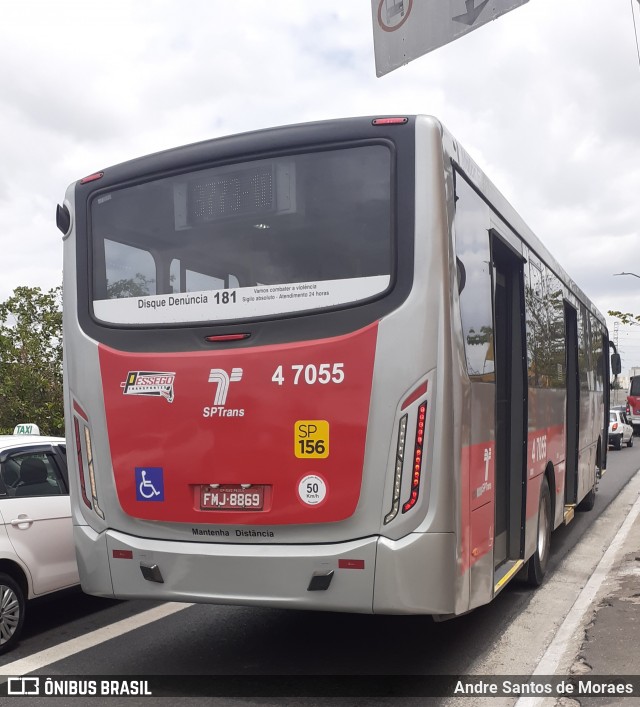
[[83, 488], [92, 476], [226, 337], [397, 477], [88, 456], [390, 121], [92, 177], [416, 469]]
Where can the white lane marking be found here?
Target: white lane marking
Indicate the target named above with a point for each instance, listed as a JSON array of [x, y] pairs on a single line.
[[553, 655], [89, 640]]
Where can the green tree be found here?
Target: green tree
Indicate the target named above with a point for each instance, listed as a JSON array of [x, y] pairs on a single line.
[[138, 286], [31, 360], [625, 317]]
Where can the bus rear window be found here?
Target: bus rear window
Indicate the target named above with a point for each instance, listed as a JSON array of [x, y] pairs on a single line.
[[635, 386], [256, 239]]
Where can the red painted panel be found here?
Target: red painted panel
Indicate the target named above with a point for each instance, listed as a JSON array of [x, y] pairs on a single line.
[[478, 496], [482, 532], [229, 417], [478, 487]]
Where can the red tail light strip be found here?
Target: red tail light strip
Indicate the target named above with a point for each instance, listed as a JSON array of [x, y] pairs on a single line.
[[80, 411], [389, 121], [92, 177], [226, 337], [417, 393], [83, 489], [416, 470]]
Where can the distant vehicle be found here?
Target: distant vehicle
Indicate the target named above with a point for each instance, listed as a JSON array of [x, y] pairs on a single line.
[[633, 401], [37, 554], [620, 431]]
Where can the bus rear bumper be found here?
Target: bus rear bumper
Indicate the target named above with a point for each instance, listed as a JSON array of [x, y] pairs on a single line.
[[417, 575], [370, 575], [246, 575]]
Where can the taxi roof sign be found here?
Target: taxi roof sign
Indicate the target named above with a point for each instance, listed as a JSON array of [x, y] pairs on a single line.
[[26, 428]]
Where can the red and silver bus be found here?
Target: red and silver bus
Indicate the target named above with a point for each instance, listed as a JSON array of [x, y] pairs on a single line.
[[633, 403], [323, 366]]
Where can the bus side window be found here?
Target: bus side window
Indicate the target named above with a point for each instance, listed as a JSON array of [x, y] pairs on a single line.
[[584, 340], [597, 358], [474, 281], [545, 326]]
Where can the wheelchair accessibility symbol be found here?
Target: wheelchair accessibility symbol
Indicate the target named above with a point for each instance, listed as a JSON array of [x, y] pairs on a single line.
[[149, 483]]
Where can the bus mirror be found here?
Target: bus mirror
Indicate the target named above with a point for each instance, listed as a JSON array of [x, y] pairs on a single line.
[[616, 366], [63, 218]]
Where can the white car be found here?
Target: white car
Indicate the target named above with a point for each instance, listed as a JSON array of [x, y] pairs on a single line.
[[620, 430], [37, 553]]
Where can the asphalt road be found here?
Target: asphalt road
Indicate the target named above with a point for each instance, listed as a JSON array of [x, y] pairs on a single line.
[[214, 640]]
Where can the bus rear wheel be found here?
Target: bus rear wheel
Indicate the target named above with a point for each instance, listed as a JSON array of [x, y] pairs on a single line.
[[537, 565], [589, 501]]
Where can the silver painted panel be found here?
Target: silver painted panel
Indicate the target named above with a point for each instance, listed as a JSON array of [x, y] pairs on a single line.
[[415, 575], [276, 575]]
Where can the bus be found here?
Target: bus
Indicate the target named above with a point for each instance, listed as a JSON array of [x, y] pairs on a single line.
[[324, 366], [633, 403]]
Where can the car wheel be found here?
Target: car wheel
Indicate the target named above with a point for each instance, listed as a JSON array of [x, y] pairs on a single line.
[[617, 442], [537, 565], [630, 442], [12, 606]]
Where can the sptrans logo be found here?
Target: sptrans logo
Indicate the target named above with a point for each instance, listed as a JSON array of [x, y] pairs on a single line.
[[152, 383], [222, 380]]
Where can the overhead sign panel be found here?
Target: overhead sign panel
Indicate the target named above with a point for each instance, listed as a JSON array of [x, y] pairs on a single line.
[[406, 29]]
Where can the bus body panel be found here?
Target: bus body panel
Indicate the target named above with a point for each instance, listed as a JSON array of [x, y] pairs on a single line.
[[93, 561], [633, 403], [278, 417], [191, 417], [415, 575], [412, 575], [274, 575]]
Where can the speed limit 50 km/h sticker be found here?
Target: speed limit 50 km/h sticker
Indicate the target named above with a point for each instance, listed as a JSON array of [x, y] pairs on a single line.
[[312, 490]]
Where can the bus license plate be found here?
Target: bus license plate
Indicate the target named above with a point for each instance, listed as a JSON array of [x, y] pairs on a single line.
[[231, 498]]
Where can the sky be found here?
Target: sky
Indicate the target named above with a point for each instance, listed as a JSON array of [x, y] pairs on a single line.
[[546, 99]]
